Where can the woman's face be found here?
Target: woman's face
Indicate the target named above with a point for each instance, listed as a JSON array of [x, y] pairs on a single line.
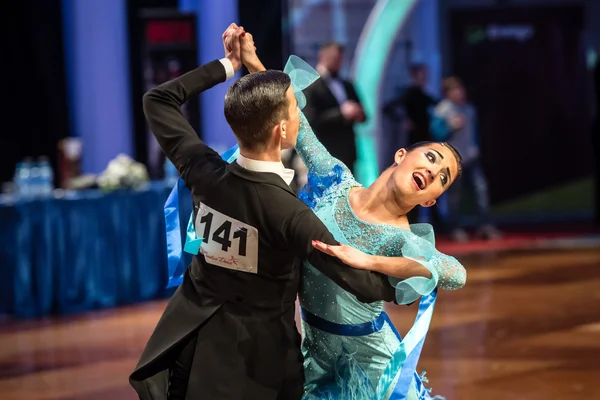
[[423, 174]]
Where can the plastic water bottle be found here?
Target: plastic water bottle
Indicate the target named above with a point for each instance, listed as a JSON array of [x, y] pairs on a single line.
[[46, 177], [22, 178], [35, 180], [171, 174]]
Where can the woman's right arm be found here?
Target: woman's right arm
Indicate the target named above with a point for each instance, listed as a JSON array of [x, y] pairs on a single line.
[[316, 157]]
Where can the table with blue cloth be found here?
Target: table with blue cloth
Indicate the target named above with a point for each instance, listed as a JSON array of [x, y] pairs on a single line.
[[84, 251]]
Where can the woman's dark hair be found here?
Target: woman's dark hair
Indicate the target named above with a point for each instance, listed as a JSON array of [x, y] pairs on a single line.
[[457, 155], [255, 104]]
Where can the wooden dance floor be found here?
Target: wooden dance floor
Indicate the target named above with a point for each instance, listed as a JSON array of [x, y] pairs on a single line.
[[526, 326]]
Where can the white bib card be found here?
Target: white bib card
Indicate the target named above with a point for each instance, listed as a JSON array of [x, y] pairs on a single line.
[[227, 242]]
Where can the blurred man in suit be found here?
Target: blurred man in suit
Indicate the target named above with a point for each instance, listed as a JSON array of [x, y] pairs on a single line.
[[416, 105], [333, 106]]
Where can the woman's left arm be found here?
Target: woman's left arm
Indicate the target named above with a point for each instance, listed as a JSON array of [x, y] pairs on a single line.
[[398, 267], [452, 274]]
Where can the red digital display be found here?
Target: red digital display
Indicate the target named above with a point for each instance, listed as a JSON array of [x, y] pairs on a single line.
[[162, 32]]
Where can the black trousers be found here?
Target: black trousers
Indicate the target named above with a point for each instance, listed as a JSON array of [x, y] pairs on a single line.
[[180, 371], [292, 387]]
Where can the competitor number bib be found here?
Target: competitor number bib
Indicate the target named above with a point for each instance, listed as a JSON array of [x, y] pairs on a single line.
[[227, 242]]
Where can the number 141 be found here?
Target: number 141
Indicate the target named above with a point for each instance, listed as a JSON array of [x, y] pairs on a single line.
[[222, 234]]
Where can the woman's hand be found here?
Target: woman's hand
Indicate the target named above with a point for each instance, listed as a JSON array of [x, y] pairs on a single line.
[[249, 57], [348, 255], [399, 267]]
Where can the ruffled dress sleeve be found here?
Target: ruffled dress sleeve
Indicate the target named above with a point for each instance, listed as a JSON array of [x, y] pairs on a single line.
[[419, 249], [419, 245]]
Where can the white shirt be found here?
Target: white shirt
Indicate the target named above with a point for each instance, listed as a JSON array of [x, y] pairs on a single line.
[[229, 71], [275, 167]]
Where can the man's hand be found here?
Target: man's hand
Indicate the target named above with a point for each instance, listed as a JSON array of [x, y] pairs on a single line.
[[361, 115], [232, 45], [352, 111], [228, 32], [348, 255], [457, 122]]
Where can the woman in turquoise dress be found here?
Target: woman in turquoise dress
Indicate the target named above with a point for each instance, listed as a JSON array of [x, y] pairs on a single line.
[[351, 349]]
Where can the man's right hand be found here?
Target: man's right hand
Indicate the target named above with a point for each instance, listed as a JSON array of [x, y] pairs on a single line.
[[352, 111], [457, 122]]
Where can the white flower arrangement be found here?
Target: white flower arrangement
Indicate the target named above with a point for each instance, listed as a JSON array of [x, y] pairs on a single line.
[[123, 173]]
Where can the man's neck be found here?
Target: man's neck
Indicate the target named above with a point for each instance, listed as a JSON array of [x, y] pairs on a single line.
[[273, 155]]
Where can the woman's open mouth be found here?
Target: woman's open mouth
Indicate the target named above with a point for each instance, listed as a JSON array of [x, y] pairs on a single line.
[[420, 180]]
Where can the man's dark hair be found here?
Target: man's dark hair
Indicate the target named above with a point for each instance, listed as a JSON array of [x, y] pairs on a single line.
[[453, 150], [255, 104]]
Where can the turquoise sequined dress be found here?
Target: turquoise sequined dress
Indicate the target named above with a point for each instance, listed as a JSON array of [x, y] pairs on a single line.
[[356, 366]]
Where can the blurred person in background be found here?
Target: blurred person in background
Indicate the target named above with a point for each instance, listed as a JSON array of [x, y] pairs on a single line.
[[417, 105], [333, 106], [455, 120]]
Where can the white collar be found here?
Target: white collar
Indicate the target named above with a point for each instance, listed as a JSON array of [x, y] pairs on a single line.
[[275, 167]]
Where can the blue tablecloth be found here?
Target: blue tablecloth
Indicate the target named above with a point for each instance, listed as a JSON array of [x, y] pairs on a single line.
[[87, 251]]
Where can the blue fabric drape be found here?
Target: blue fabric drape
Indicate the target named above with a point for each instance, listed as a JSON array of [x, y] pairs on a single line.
[[89, 251]]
